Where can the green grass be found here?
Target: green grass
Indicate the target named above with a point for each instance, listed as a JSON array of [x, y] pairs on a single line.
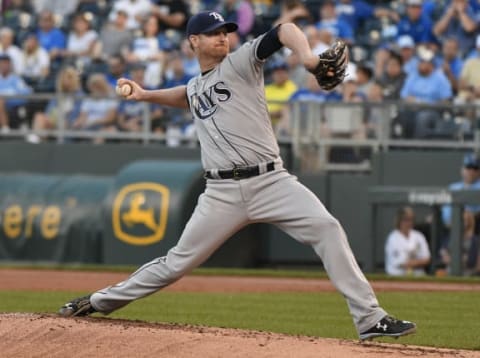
[[444, 319], [261, 272]]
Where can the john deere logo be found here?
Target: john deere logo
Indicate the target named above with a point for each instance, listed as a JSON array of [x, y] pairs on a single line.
[[140, 211]]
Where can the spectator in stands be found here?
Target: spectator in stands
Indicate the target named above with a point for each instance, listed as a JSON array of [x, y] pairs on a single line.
[[469, 82], [115, 38], [331, 22], [117, 68], [12, 110], [81, 42], [132, 114], [347, 121], [406, 249], [451, 62], [378, 114], [146, 49], [319, 41], [136, 11], [458, 21], [190, 63], [307, 102], [238, 11], [312, 92], [356, 12], [470, 249], [364, 76], [98, 112], [67, 109], [470, 174], [177, 120], [8, 47], [427, 85], [416, 24], [175, 73], [407, 51], [469, 94], [51, 38], [171, 14], [36, 62], [13, 7], [393, 78], [14, 14], [59, 7], [293, 11], [278, 93]]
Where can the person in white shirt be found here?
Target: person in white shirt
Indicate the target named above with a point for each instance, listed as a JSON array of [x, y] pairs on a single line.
[[8, 47], [36, 62], [406, 249], [81, 41], [136, 10]]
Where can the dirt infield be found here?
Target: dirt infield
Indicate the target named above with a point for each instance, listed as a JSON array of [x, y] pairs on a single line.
[[39, 335]]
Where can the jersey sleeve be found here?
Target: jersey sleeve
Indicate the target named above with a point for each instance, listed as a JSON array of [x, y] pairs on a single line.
[[246, 63]]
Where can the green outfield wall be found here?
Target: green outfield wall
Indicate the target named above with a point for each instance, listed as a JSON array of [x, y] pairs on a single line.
[[128, 203]]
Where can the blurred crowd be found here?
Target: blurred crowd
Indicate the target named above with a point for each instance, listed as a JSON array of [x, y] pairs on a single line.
[[403, 51]]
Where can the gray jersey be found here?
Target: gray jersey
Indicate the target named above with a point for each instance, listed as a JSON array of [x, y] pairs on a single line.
[[230, 111]]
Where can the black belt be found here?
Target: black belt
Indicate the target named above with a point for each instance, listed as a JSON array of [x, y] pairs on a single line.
[[240, 172]]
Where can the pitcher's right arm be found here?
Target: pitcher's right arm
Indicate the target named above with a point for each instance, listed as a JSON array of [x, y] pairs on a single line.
[[172, 97]]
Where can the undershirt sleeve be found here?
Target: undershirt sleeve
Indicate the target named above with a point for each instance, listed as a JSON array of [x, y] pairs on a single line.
[[269, 44]]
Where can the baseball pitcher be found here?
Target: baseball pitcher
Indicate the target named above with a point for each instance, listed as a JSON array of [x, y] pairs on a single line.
[[245, 179]]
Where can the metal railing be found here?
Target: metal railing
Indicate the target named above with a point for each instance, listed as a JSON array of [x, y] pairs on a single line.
[[314, 130], [318, 128]]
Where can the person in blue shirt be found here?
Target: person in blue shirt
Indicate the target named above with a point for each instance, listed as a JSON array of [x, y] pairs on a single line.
[[11, 84], [331, 22], [116, 69], [458, 21], [356, 12], [312, 92], [427, 85], [416, 24], [470, 180], [190, 63], [470, 174], [451, 62], [50, 37]]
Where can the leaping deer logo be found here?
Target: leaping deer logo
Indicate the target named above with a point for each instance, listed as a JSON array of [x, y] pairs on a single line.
[[138, 215]]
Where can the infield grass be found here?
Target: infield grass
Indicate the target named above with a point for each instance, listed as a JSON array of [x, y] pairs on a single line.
[[444, 319]]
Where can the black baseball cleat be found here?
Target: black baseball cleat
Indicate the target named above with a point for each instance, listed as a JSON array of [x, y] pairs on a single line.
[[80, 306], [389, 327]]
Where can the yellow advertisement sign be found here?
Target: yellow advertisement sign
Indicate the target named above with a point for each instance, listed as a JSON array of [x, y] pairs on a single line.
[[141, 207]]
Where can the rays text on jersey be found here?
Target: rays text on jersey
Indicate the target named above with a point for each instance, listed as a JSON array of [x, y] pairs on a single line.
[[206, 103]]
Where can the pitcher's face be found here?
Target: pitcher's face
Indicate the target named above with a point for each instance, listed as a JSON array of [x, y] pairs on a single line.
[[213, 44]]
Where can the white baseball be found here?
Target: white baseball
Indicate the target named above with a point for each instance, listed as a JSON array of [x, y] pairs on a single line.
[[124, 90]]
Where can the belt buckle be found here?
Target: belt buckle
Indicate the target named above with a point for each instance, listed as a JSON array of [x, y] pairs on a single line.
[[236, 174]]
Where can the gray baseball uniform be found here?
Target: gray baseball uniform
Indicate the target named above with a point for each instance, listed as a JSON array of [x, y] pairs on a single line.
[[234, 129]]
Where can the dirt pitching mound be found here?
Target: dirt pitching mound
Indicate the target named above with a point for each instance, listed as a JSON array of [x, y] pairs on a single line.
[[39, 335]]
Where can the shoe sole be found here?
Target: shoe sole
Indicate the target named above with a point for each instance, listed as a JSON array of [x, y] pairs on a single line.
[[370, 336]]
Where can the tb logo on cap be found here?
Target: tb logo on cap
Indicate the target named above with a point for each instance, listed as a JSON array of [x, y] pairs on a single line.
[[217, 16]]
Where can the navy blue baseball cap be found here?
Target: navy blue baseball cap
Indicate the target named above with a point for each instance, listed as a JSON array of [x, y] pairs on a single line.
[[471, 161], [208, 21]]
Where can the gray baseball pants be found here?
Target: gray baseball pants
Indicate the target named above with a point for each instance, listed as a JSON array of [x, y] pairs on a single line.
[[228, 205]]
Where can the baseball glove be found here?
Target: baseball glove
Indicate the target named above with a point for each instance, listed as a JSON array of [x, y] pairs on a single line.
[[331, 68]]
